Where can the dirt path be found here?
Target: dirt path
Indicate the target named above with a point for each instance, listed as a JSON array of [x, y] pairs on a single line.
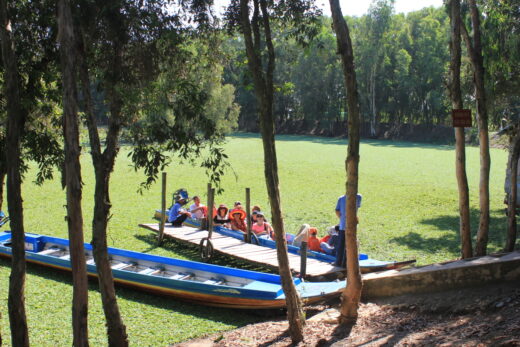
[[486, 316]]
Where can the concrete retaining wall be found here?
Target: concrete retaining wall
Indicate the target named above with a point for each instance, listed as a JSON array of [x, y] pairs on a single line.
[[443, 276]]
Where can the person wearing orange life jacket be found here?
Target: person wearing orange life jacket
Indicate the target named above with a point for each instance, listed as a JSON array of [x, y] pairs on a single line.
[[313, 242]]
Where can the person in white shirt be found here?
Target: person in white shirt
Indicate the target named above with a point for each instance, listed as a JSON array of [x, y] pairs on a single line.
[[197, 209]]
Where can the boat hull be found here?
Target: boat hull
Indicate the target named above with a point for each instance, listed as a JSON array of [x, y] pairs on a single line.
[[366, 264], [262, 291]]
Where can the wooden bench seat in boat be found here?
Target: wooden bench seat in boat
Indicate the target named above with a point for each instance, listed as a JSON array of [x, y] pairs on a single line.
[[120, 266], [49, 251], [182, 276], [147, 271]]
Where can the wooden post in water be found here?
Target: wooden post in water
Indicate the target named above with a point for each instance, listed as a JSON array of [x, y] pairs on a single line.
[[164, 217], [210, 211], [303, 254], [248, 213], [205, 225]]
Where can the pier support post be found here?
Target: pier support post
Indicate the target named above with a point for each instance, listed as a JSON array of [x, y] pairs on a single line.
[[248, 211], [164, 217], [303, 255]]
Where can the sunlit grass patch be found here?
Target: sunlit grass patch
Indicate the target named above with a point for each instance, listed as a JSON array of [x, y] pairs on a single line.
[[410, 210]]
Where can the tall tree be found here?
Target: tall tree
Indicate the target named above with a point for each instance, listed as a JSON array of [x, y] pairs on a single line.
[[258, 40], [73, 175], [103, 160], [352, 293], [377, 24], [474, 48], [17, 116], [136, 53], [512, 202], [460, 149]]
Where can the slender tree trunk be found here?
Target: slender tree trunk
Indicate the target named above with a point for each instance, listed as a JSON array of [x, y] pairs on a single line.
[[3, 174], [373, 123], [460, 149], [16, 117], [73, 176], [352, 293], [512, 166], [264, 92], [103, 166], [475, 53]]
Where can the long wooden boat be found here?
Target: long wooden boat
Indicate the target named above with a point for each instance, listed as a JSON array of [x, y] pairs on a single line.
[[201, 283], [366, 264]]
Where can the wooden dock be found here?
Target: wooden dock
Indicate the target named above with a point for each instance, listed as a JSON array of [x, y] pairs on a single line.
[[251, 253]]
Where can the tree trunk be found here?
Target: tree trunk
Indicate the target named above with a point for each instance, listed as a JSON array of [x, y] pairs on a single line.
[[352, 293], [73, 176], [373, 122], [460, 149], [264, 93], [116, 329], [103, 166], [514, 156], [475, 53], [2, 181], [16, 117]]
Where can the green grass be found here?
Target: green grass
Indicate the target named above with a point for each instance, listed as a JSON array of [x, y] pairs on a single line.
[[409, 211]]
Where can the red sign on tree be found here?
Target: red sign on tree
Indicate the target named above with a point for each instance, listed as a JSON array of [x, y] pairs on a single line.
[[461, 118]]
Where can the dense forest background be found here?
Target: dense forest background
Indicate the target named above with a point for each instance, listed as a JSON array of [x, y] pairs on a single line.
[[402, 68], [402, 62]]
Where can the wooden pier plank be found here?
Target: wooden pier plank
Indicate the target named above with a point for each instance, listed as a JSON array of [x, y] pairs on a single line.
[[241, 250]]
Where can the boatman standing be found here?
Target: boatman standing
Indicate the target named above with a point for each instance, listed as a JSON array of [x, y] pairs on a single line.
[[177, 214], [341, 259]]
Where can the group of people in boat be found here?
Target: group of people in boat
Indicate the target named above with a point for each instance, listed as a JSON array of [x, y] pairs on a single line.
[[234, 219], [333, 243]]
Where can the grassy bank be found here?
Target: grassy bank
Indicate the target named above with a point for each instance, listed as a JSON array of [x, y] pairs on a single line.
[[409, 211]]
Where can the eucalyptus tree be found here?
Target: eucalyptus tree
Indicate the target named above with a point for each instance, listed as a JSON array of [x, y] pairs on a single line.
[[456, 97], [501, 25], [352, 294], [513, 169], [376, 24], [136, 52], [474, 48], [30, 96], [72, 174], [16, 115], [259, 47]]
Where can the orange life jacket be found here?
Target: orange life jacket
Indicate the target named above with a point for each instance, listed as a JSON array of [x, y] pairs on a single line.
[[314, 243]]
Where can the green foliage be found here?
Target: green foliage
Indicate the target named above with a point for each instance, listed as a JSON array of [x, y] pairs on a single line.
[[501, 42], [409, 210], [402, 59], [166, 91], [35, 46]]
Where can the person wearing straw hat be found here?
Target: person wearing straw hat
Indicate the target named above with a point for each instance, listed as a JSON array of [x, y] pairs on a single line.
[[238, 220], [221, 217]]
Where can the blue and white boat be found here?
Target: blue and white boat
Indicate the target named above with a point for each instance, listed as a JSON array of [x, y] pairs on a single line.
[[366, 264], [201, 283]]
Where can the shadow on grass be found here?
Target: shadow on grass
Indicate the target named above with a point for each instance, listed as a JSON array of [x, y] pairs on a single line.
[[451, 242], [224, 315], [342, 141]]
